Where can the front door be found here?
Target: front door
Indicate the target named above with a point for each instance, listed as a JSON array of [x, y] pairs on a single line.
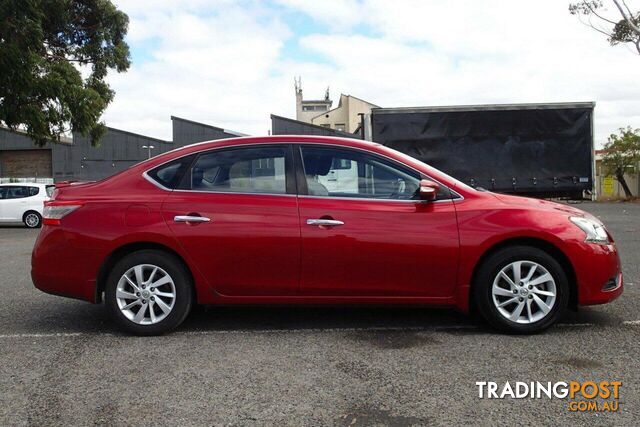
[[363, 232], [13, 202], [245, 237]]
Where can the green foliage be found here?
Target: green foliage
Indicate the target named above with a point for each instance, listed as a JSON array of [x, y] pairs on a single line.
[[622, 154], [622, 151], [623, 33], [54, 57]]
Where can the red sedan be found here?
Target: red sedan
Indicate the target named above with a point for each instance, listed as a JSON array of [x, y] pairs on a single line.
[[315, 220]]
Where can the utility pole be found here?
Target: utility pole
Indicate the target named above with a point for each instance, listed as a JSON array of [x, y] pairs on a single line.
[[149, 148]]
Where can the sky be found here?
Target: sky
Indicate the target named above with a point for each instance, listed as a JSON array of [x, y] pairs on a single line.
[[232, 63]]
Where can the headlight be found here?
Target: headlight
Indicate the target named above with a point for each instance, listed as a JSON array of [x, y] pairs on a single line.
[[595, 231]]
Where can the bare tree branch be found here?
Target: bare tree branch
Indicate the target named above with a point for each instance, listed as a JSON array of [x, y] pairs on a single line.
[[624, 31], [593, 11], [625, 5], [628, 18]]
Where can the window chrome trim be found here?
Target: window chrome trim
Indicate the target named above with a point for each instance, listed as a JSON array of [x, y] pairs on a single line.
[[146, 176], [371, 199], [455, 195], [181, 190]]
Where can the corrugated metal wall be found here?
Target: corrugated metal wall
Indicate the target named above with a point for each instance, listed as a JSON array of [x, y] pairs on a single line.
[[117, 151], [187, 132], [18, 142], [284, 126]]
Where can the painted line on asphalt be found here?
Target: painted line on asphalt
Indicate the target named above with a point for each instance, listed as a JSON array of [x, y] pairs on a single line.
[[289, 331], [631, 322], [53, 335]]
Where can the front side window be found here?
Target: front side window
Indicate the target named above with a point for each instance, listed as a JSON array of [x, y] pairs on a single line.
[[241, 170], [347, 173]]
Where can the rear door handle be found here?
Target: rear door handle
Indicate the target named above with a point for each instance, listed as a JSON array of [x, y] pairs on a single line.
[[325, 222], [190, 218]]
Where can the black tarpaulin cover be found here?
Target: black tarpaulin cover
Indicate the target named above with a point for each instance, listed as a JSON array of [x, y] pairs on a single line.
[[546, 150]]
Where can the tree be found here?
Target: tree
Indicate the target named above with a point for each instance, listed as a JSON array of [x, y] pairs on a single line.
[[624, 27], [622, 152], [54, 57]]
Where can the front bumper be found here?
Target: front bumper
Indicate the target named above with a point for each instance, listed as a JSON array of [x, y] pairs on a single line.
[[598, 273]]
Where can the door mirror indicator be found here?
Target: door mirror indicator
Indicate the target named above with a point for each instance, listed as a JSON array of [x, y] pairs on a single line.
[[428, 190]]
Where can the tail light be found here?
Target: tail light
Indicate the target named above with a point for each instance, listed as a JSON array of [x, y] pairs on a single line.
[[54, 211]]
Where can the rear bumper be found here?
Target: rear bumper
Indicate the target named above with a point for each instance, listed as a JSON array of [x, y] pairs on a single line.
[[598, 273], [58, 269]]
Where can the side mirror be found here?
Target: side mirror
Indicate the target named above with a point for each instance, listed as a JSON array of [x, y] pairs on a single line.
[[428, 190]]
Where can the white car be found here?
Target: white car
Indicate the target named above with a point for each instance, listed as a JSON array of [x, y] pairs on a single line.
[[23, 202]]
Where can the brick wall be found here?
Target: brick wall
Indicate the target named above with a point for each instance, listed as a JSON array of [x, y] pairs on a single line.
[[25, 163]]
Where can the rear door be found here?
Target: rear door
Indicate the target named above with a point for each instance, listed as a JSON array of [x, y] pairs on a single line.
[[35, 199], [236, 214], [364, 233]]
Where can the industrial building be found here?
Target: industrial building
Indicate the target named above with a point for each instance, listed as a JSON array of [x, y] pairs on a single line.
[[72, 159]]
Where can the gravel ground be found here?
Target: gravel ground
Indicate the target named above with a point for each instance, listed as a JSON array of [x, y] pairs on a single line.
[[62, 362]]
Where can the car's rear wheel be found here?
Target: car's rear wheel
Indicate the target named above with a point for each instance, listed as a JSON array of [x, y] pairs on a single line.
[[149, 292], [521, 289], [32, 219]]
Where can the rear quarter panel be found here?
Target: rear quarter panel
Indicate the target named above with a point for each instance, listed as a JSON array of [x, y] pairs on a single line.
[[86, 238]]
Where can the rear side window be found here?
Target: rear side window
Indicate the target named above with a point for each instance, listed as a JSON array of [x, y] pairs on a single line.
[[170, 174], [242, 170], [16, 192], [33, 191]]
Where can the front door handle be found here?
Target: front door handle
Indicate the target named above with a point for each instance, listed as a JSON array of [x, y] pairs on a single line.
[[190, 218], [324, 222]]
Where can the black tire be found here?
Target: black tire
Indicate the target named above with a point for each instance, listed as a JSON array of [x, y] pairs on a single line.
[[183, 291], [32, 219], [491, 267]]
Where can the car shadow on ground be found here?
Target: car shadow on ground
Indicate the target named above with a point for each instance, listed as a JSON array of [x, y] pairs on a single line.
[[357, 317], [89, 318]]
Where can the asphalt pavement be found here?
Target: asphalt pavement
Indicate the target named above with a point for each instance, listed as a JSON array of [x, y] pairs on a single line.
[[63, 362]]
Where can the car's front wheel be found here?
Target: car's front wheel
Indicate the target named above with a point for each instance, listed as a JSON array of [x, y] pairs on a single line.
[[521, 289], [149, 292]]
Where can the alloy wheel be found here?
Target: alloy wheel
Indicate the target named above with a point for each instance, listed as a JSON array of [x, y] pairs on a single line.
[[524, 292], [146, 294], [32, 220]]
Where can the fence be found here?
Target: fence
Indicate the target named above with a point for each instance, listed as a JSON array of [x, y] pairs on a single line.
[[20, 180]]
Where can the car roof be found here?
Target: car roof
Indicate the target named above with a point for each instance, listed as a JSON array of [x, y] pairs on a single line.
[[21, 184], [250, 140]]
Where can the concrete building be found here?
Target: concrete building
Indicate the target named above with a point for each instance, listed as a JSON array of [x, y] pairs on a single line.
[[307, 109], [346, 117], [75, 159]]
